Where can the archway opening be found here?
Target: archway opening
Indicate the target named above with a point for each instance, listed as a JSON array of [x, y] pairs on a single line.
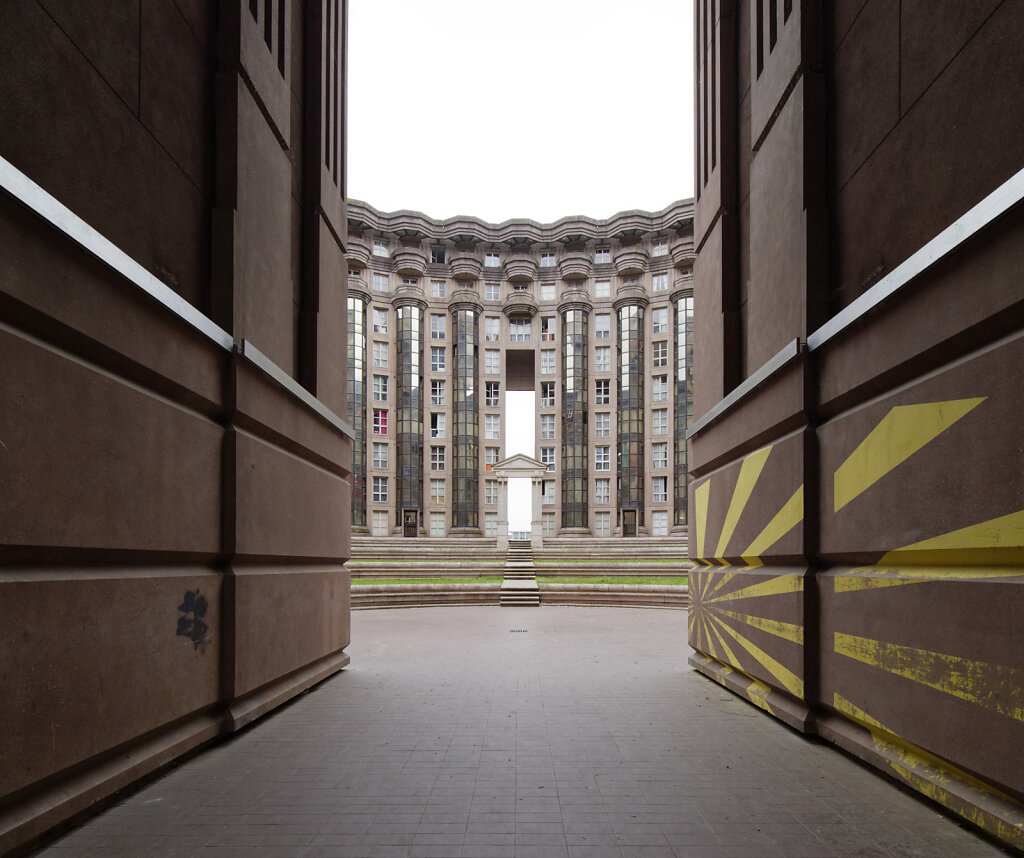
[[519, 429]]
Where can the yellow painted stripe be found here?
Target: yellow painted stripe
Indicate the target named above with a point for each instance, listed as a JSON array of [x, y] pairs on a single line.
[[713, 623], [791, 514], [870, 577], [900, 434], [776, 586], [789, 680], [750, 470], [851, 710], [993, 686], [721, 580], [787, 631], [996, 540], [758, 693], [701, 495]]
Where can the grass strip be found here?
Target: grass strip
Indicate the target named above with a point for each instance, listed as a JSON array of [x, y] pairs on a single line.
[[358, 581], [664, 580]]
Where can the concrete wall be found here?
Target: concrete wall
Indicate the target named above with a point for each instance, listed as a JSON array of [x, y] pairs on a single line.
[[173, 519], [867, 496]]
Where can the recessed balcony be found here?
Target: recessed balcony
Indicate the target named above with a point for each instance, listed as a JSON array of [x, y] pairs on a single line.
[[630, 261], [682, 254], [574, 266], [466, 265], [520, 304], [520, 267], [410, 261], [358, 251]]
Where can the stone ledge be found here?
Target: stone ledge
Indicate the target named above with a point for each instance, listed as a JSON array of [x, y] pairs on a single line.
[[365, 596]]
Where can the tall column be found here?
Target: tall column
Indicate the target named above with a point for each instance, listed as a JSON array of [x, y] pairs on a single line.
[[355, 392], [465, 308], [630, 306], [536, 514], [409, 305], [682, 301], [575, 309], [502, 512]]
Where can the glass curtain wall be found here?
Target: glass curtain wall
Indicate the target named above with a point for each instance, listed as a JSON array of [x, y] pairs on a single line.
[[683, 401], [409, 409], [465, 474], [574, 418], [630, 355], [356, 404]]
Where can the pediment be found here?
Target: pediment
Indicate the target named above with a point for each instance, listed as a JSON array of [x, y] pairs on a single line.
[[519, 463]]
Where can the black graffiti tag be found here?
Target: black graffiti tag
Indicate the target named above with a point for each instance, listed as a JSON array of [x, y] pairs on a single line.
[[191, 625]]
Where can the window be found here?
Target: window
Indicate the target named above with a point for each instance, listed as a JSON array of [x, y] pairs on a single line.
[[437, 458], [492, 361], [602, 459], [547, 456], [547, 492], [437, 491], [602, 256], [602, 392], [436, 326], [602, 490], [547, 291], [437, 359], [490, 524], [438, 288], [380, 388], [492, 394], [547, 394], [547, 329], [547, 259], [659, 388], [492, 329], [380, 247], [659, 353], [659, 523], [659, 421], [659, 489], [380, 455], [519, 330], [437, 425], [380, 489], [547, 362], [602, 288], [603, 359], [659, 282], [492, 291], [547, 524], [659, 320], [380, 355], [356, 272], [492, 427], [547, 426], [490, 492], [380, 282], [410, 281], [380, 321], [380, 522], [380, 421], [437, 393], [660, 248], [659, 455], [437, 257], [602, 425], [437, 524], [602, 524], [520, 287], [492, 260], [490, 456], [602, 326]]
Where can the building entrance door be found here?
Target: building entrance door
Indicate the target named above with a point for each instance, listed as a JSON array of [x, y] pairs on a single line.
[[410, 520], [629, 522]]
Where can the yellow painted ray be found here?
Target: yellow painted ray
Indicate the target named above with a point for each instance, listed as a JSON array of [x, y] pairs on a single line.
[[789, 680], [791, 514], [750, 470], [993, 686], [701, 495], [776, 586], [787, 631], [997, 540], [758, 693], [723, 579], [713, 623], [871, 577], [900, 434]]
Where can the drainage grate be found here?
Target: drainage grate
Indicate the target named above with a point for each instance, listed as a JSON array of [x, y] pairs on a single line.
[[512, 631]]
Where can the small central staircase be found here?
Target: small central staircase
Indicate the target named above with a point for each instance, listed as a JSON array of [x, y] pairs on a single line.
[[519, 586]]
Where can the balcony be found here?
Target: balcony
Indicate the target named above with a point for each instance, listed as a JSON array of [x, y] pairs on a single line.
[[520, 267], [466, 265], [630, 261], [358, 252], [682, 254], [520, 304], [410, 261], [574, 266]]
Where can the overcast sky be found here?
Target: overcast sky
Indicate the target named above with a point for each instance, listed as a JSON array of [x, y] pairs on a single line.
[[532, 108]]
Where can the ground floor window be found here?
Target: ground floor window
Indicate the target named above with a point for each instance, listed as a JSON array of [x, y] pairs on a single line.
[[437, 524], [548, 524], [659, 523], [490, 524], [603, 524], [380, 522]]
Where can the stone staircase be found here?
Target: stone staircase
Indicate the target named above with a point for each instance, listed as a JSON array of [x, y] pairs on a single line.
[[519, 587]]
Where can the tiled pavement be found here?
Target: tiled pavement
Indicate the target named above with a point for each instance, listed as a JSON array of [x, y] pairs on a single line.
[[532, 732]]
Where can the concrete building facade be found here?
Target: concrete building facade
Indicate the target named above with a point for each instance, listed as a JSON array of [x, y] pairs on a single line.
[[594, 317]]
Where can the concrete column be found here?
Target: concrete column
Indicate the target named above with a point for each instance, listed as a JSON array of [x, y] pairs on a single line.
[[536, 519], [502, 512]]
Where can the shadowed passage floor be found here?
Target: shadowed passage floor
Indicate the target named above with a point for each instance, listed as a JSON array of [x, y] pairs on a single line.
[[532, 732]]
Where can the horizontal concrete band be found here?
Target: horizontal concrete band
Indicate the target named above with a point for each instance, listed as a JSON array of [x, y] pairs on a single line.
[[610, 595]]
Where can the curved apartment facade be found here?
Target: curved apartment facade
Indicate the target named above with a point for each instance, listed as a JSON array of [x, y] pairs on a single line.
[[594, 316]]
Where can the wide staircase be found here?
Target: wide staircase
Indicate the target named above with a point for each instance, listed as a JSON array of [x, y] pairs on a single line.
[[519, 586]]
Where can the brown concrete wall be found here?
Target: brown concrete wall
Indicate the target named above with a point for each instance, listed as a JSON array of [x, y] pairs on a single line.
[[173, 521], [871, 493]]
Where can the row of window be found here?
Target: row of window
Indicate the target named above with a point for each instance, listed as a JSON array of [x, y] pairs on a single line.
[[492, 259], [602, 523], [492, 291], [492, 360]]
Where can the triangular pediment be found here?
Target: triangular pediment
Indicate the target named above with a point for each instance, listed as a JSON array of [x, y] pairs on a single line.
[[519, 462]]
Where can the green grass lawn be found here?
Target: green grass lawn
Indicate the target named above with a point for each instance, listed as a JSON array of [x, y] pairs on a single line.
[[543, 579], [495, 580]]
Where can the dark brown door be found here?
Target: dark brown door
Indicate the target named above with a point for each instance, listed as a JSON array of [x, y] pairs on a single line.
[[409, 521], [629, 522]]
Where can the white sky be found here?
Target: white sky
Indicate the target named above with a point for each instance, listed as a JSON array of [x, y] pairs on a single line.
[[533, 108]]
